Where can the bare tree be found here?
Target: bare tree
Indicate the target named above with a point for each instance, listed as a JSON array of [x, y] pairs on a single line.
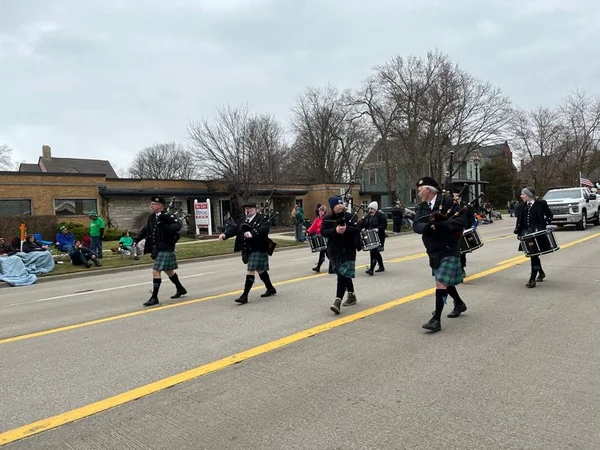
[[239, 147], [6, 162], [329, 146], [163, 161], [537, 137], [580, 114]]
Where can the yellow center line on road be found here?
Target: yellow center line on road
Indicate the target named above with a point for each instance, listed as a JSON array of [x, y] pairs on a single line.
[[160, 385]]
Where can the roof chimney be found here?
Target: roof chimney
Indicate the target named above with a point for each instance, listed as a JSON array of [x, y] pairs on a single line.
[[46, 152]]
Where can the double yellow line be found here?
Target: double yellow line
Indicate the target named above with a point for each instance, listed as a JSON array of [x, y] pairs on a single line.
[[157, 386]]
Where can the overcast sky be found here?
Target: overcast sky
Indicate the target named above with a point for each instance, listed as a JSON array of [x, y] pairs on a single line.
[[103, 79]]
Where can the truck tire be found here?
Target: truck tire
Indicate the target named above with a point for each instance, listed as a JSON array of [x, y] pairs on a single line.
[[582, 224]]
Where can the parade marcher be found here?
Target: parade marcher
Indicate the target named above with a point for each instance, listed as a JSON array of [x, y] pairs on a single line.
[[532, 215], [375, 220], [315, 228], [397, 215], [96, 233], [252, 239], [161, 233], [342, 235], [441, 230]]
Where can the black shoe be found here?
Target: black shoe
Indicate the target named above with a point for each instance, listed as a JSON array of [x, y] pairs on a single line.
[[369, 272], [316, 269], [458, 310], [179, 293], [433, 325], [380, 269], [97, 263], [242, 299], [531, 283], [336, 305], [88, 265], [541, 277], [269, 292], [151, 301]]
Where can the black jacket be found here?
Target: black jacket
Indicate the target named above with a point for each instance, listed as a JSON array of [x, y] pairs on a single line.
[[445, 239], [260, 235], [532, 219], [341, 247], [161, 233], [34, 246], [376, 222], [397, 212]]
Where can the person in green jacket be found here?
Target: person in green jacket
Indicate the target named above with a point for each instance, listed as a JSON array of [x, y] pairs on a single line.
[[96, 233], [126, 245]]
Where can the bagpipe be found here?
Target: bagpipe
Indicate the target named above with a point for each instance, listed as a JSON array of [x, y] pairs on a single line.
[[168, 215], [454, 210]]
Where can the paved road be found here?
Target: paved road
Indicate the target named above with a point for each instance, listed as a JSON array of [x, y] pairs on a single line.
[[518, 370]]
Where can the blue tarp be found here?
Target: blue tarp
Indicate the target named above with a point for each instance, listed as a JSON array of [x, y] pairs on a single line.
[[20, 269]]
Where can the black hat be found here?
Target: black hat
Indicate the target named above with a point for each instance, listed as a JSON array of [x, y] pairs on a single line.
[[428, 181], [250, 205], [158, 199]]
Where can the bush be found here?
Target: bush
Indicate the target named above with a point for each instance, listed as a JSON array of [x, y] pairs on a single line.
[[112, 234], [45, 225]]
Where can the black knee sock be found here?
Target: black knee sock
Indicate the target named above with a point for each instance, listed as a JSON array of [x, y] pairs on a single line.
[[452, 292], [341, 286], [373, 260], [349, 285], [379, 259], [155, 286], [321, 259], [248, 284], [264, 276], [440, 299], [175, 280]]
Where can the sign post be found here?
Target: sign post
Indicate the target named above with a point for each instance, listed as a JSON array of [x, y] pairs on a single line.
[[202, 216]]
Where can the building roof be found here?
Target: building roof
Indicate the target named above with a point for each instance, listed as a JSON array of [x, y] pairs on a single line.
[[76, 165], [26, 167]]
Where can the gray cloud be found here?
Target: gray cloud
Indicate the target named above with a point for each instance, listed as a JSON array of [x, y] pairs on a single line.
[[104, 79]]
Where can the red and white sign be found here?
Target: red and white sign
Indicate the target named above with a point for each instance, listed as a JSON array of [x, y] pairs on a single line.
[[202, 216]]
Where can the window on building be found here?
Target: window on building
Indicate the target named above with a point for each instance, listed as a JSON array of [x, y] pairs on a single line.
[[413, 196], [10, 208], [74, 207], [372, 177]]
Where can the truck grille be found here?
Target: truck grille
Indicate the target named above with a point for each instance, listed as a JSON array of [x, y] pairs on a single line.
[[559, 209]]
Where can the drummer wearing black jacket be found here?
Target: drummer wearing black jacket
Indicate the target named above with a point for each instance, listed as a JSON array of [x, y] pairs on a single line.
[[161, 233], [441, 230], [375, 220], [252, 239], [342, 233], [532, 215]]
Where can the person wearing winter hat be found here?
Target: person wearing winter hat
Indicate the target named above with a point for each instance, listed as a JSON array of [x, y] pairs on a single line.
[[342, 234], [441, 237], [375, 220], [315, 229], [532, 215]]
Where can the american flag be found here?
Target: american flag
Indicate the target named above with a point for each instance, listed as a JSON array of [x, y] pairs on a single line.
[[584, 181]]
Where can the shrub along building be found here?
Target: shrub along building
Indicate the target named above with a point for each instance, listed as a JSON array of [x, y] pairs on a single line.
[[68, 188], [467, 162]]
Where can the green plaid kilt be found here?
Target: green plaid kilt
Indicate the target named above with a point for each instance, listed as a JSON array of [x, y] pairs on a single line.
[[343, 268], [258, 261], [165, 260], [449, 272]]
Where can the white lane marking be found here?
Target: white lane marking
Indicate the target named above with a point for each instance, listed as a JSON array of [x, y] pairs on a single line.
[[95, 291]]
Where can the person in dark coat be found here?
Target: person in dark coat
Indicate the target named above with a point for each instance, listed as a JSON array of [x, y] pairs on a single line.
[[161, 233], [31, 245], [252, 240], [397, 215], [342, 233], [81, 255], [441, 231], [532, 215], [375, 220]]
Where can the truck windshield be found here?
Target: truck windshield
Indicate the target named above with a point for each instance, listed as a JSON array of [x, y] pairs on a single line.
[[567, 193]]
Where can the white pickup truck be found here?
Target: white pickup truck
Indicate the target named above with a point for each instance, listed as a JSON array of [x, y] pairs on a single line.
[[573, 206]]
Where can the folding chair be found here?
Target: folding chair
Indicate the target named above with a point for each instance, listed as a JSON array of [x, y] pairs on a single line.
[[38, 237], [60, 254]]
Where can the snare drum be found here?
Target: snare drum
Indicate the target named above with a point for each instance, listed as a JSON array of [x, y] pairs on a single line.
[[317, 243], [470, 241], [369, 239], [539, 243]]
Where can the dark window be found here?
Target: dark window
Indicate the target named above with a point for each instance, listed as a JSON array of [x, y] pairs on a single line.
[[372, 177], [74, 207], [9, 208]]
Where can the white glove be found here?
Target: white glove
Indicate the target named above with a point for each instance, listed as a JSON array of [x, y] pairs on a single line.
[[247, 234]]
